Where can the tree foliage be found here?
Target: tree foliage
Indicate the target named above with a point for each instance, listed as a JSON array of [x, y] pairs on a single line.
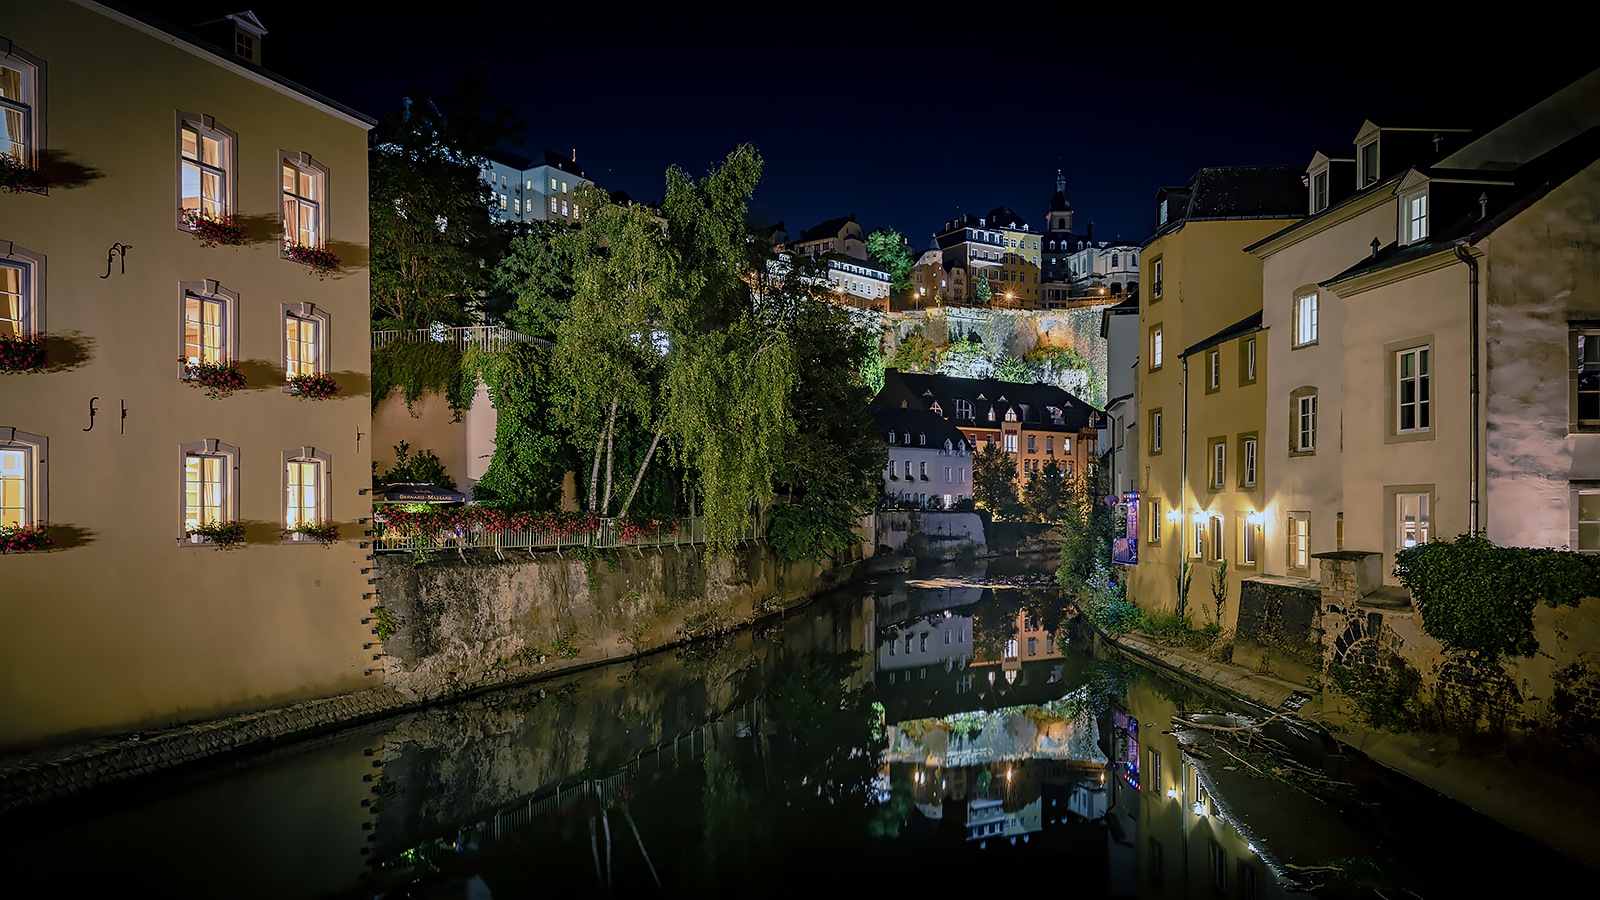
[[431, 228], [531, 459], [889, 247], [538, 276], [1049, 494], [994, 483], [1088, 526]]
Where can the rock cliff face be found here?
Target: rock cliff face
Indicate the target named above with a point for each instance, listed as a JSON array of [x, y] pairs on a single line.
[[467, 624]]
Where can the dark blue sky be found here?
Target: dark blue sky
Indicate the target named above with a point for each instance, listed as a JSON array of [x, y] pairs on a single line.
[[908, 118]]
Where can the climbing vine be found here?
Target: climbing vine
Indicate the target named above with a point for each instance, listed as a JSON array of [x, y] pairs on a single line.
[[416, 368], [1476, 596]]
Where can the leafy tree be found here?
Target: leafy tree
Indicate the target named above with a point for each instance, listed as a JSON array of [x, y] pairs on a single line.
[[539, 276], [980, 288], [663, 331], [916, 353], [531, 458], [831, 467], [431, 228], [1048, 494], [890, 248], [422, 468], [994, 483], [1087, 525]]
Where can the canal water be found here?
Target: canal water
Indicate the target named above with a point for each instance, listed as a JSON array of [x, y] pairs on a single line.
[[949, 729]]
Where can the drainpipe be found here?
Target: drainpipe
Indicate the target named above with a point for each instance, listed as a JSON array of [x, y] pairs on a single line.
[[1183, 487], [1472, 481]]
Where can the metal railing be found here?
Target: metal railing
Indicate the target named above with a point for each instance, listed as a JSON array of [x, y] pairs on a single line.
[[483, 337], [690, 530]]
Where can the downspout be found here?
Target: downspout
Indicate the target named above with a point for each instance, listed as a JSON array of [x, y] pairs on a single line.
[[1183, 485], [1472, 481]]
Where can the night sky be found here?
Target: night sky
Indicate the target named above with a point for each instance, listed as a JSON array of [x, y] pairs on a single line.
[[908, 118]]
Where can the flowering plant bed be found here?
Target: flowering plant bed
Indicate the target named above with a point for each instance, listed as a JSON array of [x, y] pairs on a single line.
[[224, 534], [218, 380], [19, 354], [320, 260], [18, 177], [313, 387], [644, 529], [324, 533], [211, 231], [23, 538], [456, 522]]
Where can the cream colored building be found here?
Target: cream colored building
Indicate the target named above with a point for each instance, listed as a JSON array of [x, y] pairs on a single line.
[[126, 623], [1201, 394], [1441, 319]]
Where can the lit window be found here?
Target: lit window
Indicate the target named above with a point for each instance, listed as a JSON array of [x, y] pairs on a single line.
[[305, 484], [552, 184], [305, 188], [20, 91], [1011, 443], [22, 484], [1299, 540], [21, 292], [1412, 391], [210, 482], [305, 340], [209, 326], [1411, 527], [205, 160], [553, 203], [1415, 210], [1305, 319]]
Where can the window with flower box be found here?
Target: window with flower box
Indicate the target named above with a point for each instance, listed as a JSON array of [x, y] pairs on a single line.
[[21, 292], [304, 185], [306, 473], [305, 340], [22, 98], [208, 313], [206, 153], [210, 487], [23, 487]]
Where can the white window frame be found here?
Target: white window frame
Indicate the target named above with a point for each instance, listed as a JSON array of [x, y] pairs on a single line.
[[315, 205], [1299, 546], [1362, 175], [1217, 527], [30, 105], [1249, 540], [206, 126], [1419, 506], [1305, 319], [229, 482], [1414, 216], [1155, 431], [1214, 365], [208, 291], [1219, 465], [1306, 423], [1319, 191], [1421, 404], [1155, 348], [1011, 442], [1586, 523], [35, 493], [322, 465], [31, 266], [1248, 461], [305, 314]]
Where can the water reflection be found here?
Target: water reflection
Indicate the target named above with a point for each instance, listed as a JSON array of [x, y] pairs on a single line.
[[950, 720]]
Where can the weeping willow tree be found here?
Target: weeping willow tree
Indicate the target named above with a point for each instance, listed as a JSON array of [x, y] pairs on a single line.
[[663, 332]]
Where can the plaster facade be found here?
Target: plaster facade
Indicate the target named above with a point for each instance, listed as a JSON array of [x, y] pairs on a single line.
[[123, 624]]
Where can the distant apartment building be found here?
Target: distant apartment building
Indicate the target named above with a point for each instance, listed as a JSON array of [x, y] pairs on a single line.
[[1000, 248], [534, 190], [930, 460], [842, 237]]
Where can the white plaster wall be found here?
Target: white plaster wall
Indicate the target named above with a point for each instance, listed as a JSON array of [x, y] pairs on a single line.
[[1310, 483]]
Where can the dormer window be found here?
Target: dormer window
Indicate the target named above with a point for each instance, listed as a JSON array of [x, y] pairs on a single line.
[[907, 438], [891, 436], [937, 409], [1011, 414], [1414, 216], [991, 414], [922, 439], [1368, 155], [1319, 191], [1161, 218], [947, 446], [963, 409]]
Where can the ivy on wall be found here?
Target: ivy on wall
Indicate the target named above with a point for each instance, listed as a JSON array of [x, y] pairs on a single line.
[[415, 369], [1476, 596]]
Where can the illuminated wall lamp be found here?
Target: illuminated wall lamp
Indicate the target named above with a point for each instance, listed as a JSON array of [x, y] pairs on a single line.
[[1256, 518], [1199, 517]]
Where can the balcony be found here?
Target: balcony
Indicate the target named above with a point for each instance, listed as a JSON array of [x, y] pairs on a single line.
[[484, 337]]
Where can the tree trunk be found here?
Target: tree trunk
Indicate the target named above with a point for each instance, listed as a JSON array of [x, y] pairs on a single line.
[[594, 471], [611, 439], [639, 476]]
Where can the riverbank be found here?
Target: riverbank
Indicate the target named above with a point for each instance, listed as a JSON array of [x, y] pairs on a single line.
[[52, 774], [1557, 812]]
